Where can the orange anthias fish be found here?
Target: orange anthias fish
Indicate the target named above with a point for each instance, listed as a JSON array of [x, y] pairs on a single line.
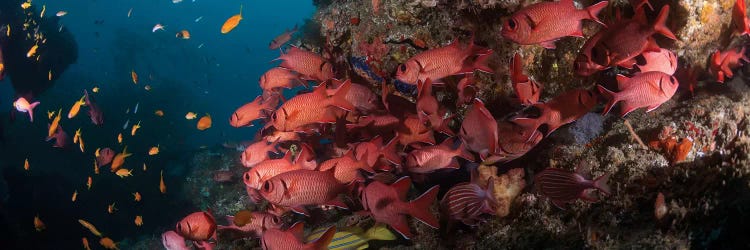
[[134, 76], [162, 186], [85, 243], [38, 224], [190, 115], [137, 196], [76, 107], [90, 227], [138, 220], [119, 159], [111, 208], [75, 196], [159, 113], [154, 150], [204, 123], [135, 128], [184, 34], [232, 22], [89, 181], [54, 125], [108, 243], [119, 138], [26, 164], [124, 172]]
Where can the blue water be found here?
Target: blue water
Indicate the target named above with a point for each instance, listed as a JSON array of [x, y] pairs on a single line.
[[215, 79]]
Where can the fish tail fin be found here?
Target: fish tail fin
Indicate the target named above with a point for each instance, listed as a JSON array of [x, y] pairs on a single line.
[[389, 151], [31, 110], [339, 96], [661, 21], [610, 96], [516, 72], [480, 62], [463, 152], [419, 208], [601, 184], [323, 241], [593, 12], [379, 232]]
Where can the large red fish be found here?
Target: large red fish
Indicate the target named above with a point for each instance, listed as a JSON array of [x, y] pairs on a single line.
[[346, 168], [280, 78], [546, 22], [479, 130], [633, 37], [293, 238], [282, 39], [312, 66], [432, 158], [259, 223], [563, 109], [267, 169], [513, 142], [361, 97], [413, 131], [439, 63], [299, 188], [649, 90], [739, 18], [563, 186], [722, 63], [311, 108], [257, 109], [373, 150], [663, 60], [173, 241], [198, 226], [527, 90], [256, 153], [387, 204]]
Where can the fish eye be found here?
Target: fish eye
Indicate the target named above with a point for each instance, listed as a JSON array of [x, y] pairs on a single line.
[[403, 68], [266, 186], [273, 116], [179, 227], [672, 79], [247, 176], [511, 24], [275, 220]]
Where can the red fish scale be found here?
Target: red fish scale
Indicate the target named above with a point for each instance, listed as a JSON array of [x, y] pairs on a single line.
[[436, 63], [346, 168], [265, 170], [260, 222], [431, 158], [306, 63], [584, 64], [417, 132], [256, 153], [306, 187], [276, 78], [625, 43], [251, 111], [198, 226], [362, 98], [663, 60], [562, 20], [465, 201], [479, 129], [307, 108], [643, 91]]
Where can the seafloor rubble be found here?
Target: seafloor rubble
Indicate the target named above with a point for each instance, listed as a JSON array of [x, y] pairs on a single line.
[[684, 186]]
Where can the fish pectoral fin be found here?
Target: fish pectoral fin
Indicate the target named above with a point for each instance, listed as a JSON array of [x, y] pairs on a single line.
[[300, 210], [548, 44]]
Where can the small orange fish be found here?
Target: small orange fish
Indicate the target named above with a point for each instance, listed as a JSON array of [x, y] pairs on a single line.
[[162, 186], [77, 135], [137, 196], [111, 208], [32, 51], [96, 153], [119, 159], [108, 243], [88, 183], [124, 172], [135, 128], [159, 113], [50, 114], [190, 116], [144, 167], [75, 196], [232, 22], [38, 224], [138, 220], [119, 138], [134, 76], [204, 123], [154, 150], [26, 5], [85, 243], [90, 227], [26, 164], [49, 75], [54, 125], [96, 167], [184, 34]]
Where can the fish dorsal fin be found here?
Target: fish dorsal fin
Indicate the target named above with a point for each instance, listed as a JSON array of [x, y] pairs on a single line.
[[402, 187], [622, 81], [240, 11], [298, 229]]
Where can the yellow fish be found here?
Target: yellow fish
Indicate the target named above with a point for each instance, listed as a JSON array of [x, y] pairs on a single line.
[[55, 123], [76, 107], [50, 114], [137, 196], [135, 128], [32, 51], [154, 150], [162, 186], [96, 167], [25, 5], [26, 164], [184, 34], [7, 32], [77, 136], [232, 22], [190, 116]]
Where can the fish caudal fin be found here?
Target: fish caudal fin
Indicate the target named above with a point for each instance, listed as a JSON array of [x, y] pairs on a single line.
[[593, 12], [611, 98], [338, 98], [323, 241], [601, 184], [419, 208], [31, 110], [660, 24], [463, 152]]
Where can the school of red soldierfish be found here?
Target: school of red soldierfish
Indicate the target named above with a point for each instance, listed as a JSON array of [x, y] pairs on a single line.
[[342, 139]]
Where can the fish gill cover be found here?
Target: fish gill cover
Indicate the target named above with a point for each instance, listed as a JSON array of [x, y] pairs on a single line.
[[377, 124]]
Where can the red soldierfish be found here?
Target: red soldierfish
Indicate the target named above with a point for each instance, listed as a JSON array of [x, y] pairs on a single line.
[[546, 22], [427, 105], [256, 153], [259, 223], [431, 158], [267, 169], [438, 63], [479, 130], [371, 151], [346, 168], [293, 238], [663, 60], [739, 18], [584, 65], [173, 241], [413, 131], [198, 226], [563, 186], [722, 63], [310, 108], [527, 90], [513, 142], [563, 109], [312, 66], [277, 78], [105, 157], [387, 204], [467, 90], [282, 39], [649, 89], [299, 188], [361, 97], [257, 109], [633, 37]]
